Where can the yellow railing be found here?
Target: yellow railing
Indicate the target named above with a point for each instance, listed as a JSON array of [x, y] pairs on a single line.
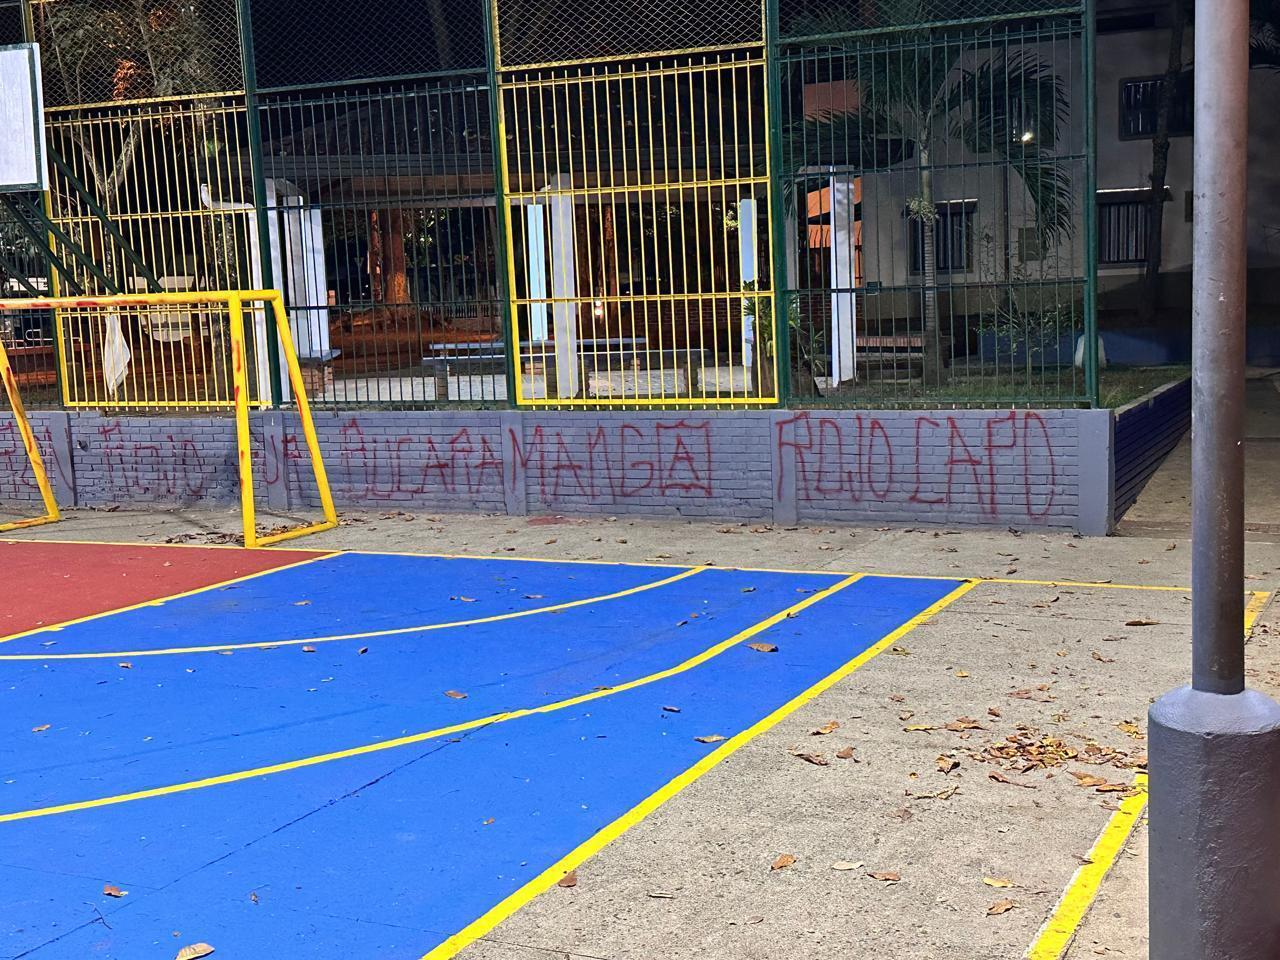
[[181, 351], [638, 231]]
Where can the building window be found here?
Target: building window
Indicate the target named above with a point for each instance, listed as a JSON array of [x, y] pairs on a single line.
[[953, 237], [1140, 107], [1122, 230]]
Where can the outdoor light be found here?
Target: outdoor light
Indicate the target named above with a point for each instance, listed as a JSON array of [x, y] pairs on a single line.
[[598, 309], [1028, 136]]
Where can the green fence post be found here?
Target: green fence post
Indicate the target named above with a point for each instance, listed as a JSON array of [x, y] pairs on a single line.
[[505, 293], [249, 66], [1091, 206], [777, 206]]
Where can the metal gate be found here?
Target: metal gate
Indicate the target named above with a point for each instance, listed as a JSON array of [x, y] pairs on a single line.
[[636, 193]]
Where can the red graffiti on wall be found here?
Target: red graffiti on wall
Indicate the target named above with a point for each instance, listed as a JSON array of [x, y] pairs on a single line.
[[615, 462], [169, 466], [857, 459], [377, 467], [17, 479]]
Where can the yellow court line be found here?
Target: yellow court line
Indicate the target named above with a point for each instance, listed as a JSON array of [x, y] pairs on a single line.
[[366, 635], [377, 747], [161, 601], [585, 851], [1076, 584], [1060, 929]]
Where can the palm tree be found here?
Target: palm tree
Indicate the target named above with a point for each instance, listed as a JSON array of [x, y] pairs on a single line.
[[917, 90]]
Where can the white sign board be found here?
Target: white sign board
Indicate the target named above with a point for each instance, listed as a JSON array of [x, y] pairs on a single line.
[[23, 163]]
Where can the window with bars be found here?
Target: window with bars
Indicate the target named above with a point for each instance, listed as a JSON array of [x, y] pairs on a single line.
[[953, 233], [1140, 107], [1122, 230]]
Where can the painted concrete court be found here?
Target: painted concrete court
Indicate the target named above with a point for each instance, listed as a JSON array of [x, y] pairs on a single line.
[[376, 755]]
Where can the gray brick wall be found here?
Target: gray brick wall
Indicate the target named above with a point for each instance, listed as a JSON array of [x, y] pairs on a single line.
[[1001, 468]]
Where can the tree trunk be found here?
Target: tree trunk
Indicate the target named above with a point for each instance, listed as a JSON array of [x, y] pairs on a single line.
[[932, 346], [1149, 302], [394, 261]]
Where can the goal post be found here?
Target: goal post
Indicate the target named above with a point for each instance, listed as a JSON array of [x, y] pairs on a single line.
[[189, 351], [32, 448]]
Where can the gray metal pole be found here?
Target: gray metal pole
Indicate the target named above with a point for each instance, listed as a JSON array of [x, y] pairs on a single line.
[[1214, 874], [1218, 336]]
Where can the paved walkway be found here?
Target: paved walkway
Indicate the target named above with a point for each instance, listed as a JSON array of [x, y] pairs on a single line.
[[1165, 504]]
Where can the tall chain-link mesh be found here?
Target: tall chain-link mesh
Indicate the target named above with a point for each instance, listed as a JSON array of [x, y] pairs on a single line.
[[806, 18], [536, 32], [300, 42], [101, 51]]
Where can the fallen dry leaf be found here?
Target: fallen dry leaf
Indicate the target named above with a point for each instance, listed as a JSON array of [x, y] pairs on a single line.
[[1130, 728], [1101, 659], [947, 764], [763, 647], [1087, 779], [964, 723], [1000, 906], [111, 890], [464, 599], [998, 882], [302, 603], [887, 877], [671, 709], [710, 738], [962, 674], [253, 896], [570, 879], [194, 951], [844, 753], [1141, 623], [999, 777], [847, 865], [784, 860], [126, 665], [455, 695], [42, 728], [919, 728], [1112, 788], [829, 727], [817, 759], [308, 649]]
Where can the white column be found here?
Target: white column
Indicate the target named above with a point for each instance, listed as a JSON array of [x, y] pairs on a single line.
[[844, 304], [535, 228], [748, 258], [564, 281]]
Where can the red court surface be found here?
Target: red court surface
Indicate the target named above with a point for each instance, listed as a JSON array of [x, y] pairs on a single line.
[[56, 582]]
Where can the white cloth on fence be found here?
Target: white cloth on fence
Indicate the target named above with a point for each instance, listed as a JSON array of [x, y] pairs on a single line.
[[115, 353]]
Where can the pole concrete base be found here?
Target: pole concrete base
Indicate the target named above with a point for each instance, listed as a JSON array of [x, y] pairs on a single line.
[[1214, 887]]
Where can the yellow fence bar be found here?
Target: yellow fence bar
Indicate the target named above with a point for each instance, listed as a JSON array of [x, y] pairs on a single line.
[[211, 375], [51, 513]]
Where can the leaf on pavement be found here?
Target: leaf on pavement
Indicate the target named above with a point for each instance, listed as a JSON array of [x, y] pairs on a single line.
[[194, 951], [1000, 906], [845, 753], [42, 728], [919, 727], [999, 777], [829, 727], [1141, 623], [847, 865], [1087, 779], [998, 882], [887, 877], [455, 695], [111, 890], [763, 647], [570, 879], [710, 738], [308, 649], [947, 764], [817, 759], [964, 723], [784, 860]]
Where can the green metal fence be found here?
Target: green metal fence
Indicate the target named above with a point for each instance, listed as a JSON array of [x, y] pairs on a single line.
[[934, 247], [918, 234]]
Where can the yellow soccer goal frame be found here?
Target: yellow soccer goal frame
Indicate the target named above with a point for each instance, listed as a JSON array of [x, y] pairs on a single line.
[[51, 513], [151, 390]]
